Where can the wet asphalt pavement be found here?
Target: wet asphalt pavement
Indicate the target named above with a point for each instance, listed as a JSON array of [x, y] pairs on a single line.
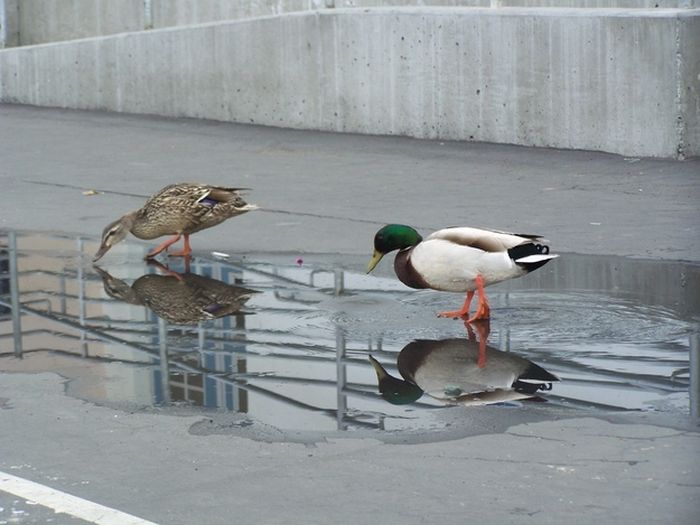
[[271, 412], [329, 193]]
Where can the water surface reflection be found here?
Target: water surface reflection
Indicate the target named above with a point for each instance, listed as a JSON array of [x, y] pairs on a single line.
[[461, 371], [181, 298], [133, 335]]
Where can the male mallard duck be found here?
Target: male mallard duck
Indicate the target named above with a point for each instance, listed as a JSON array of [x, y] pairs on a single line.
[[449, 370], [460, 259], [179, 210], [179, 298]]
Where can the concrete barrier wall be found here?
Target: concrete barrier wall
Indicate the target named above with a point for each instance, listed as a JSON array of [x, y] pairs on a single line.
[[9, 23], [612, 80], [52, 20], [168, 13], [41, 21], [688, 96]]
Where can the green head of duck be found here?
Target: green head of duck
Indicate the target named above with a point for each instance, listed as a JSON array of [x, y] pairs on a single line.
[[392, 237], [395, 391]]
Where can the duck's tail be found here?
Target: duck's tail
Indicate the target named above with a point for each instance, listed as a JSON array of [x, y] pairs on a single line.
[[534, 378], [531, 255]]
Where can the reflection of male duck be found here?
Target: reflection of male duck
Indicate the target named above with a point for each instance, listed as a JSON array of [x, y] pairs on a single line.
[[179, 298], [448, 370]]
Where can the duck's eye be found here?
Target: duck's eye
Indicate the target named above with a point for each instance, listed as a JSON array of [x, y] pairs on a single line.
[[111, 233]]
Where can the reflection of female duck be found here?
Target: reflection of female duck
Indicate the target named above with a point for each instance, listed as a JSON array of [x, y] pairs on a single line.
[[179, 298], [449, 370]]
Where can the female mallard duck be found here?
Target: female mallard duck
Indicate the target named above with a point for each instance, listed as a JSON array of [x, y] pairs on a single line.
[[460, 259], [450, 370], [179, 210]]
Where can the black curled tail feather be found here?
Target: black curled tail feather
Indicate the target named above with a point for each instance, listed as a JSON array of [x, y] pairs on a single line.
[[534, 378], [525, 250], [535, 373]]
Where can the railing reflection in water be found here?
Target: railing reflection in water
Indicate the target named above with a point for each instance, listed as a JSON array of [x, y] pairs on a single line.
[[205, 363]]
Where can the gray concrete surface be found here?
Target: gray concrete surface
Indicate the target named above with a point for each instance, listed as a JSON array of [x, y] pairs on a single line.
[[328, 193], [150, 465], [616, 80]]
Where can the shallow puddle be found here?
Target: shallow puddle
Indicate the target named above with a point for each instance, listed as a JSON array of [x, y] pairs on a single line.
[[286, 343]]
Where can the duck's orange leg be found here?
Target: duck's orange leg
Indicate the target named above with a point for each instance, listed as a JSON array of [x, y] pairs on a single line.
[[470, 331], [483, 310], [164, 246], [483, 328], [462, 312], [186, 249], [165, 269]]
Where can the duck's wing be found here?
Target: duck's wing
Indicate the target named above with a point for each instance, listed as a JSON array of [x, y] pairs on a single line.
[[189, 193], [483, 239], [213, 195], [197, 206]]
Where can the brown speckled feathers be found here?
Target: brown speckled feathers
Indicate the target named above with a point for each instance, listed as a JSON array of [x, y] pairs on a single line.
[[187, 208]]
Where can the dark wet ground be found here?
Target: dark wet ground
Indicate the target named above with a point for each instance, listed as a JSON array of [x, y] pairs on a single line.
[[284, 343]]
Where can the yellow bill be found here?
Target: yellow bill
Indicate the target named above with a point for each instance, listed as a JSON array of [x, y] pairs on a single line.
[[376, 257]]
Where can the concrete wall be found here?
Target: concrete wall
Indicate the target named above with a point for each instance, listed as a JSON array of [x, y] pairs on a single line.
[[688, 96], [41, 21], [612, 80], [9, 23], [52, 20], [167, 13]]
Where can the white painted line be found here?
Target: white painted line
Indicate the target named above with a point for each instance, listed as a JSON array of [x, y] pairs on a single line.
[[63, 502]]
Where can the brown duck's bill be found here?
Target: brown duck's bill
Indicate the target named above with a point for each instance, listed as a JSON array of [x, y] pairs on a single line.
[[376, 257], [101, 272], [103, 249]]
